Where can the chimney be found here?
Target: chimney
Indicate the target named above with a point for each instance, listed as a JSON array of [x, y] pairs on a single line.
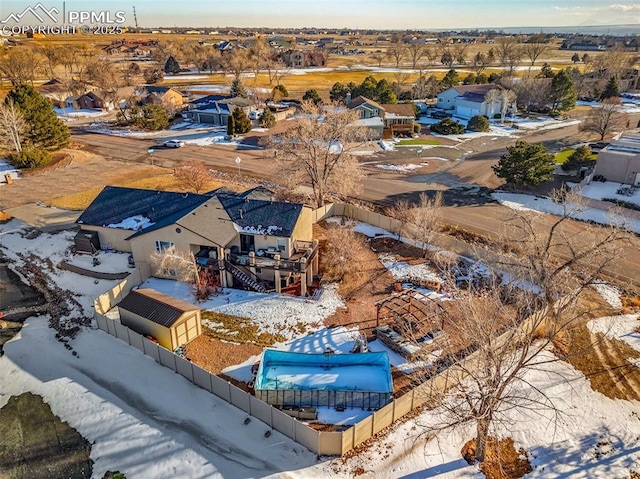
[[347, 100]]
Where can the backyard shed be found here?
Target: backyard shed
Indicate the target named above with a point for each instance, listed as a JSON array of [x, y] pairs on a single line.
[[170, 321], [87, 242], [361, 380]]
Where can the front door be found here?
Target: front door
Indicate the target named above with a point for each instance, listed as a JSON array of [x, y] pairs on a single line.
[[247, 243]]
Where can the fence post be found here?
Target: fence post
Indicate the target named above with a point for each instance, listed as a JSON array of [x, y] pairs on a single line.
[[128, 337]]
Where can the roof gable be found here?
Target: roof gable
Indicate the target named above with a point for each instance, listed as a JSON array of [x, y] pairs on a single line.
[[361, 100], [400, 109], [481, 89], [155, 306], [271, 218]]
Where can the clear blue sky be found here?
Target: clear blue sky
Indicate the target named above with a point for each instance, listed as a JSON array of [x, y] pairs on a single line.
[[382, 14]]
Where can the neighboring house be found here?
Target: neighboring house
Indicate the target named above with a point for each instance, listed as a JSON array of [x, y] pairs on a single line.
[[170, 321], [215, 109], [620, 161], [303, 58], [245, 239], [469, 100], [55, 90], [160, 95], [86, 101], [385, 120]]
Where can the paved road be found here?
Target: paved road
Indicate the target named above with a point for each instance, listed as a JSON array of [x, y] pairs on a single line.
[[469, 208]]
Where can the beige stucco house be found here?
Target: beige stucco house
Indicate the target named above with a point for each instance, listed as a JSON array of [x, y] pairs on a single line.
[[246, 240], [620, 160], [468, 101]]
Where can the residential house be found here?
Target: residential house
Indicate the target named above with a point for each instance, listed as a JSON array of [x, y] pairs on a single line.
[[215, 109], [469, 100], [620, 160], [303, 58], [245, 239], [86, 101], [160, 95], [55, 90], [170, 321], [385, 120]]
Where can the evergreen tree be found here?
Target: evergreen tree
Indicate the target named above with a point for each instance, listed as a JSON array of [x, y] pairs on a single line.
[[154, 117], [575, 58], [470, 79], [237, 89], [563, 93], [447, 126], [525, 164], [494, 78], [44, 129], [231, 125], [546, 71], [313, 96], [482, 79], [611, 90], [171, 65], [451, 79], [268, 119], [583, 156], [367, 88], [338, 92], [384, 93], [242, 123], [279, 92], [478, 123]]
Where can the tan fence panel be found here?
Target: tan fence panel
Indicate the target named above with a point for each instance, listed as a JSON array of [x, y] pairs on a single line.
[[201, 378], [101, 321], [382, 418], [363, 431], [135, 340], [183, 367], [403, 406], [260, 410], [306, 436], [152, 349], [282, 422], [122, 332], [347, 440], [221, 388], [239, 398], [330, 443], [111, 328], [167, 358]]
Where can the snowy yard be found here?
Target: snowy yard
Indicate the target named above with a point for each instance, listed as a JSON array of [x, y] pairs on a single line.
[[599, 191]]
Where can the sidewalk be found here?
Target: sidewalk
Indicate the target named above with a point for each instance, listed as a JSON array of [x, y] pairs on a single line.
[[45, 218]]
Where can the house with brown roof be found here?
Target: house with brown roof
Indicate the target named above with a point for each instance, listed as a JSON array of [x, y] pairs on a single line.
[[86, 101], [391, 118], [170, 321], [469, 100], [160, 95]]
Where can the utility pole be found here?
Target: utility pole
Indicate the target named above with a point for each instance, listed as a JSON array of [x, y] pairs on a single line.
[[135, 18]]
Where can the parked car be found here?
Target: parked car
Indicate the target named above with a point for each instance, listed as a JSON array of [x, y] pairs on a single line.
[[439, 114], [255, 115], [174, 144]]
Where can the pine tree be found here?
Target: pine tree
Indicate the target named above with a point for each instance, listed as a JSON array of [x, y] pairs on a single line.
[[268, 119], [451, 79], [546, 71], [231, 126], [525, 164], [563, 93], [237, 89], [611, 90], [575, 58], [44, 129], [172, 65], [312, 96], [242, 123]]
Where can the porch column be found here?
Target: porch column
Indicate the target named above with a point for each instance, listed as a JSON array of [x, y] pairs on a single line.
[[226, 281], [276, 278], [316, 258], [303, 276], [252, 262]]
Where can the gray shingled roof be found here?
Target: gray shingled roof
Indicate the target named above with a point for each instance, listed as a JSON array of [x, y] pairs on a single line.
[[272, 218], [155, 306]]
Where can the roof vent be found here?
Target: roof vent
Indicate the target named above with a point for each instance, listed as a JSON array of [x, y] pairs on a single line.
[[185, 195], [241, 212]]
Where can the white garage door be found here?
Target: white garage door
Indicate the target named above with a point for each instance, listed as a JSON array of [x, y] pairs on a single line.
[[466, 112]]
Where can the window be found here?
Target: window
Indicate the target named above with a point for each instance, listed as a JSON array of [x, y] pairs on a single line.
[[282, 244], [163, 246]]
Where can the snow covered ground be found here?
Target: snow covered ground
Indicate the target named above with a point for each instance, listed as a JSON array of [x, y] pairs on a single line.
[[67, 114], [608, 189], [545, 205], [281, 314], [7, 169]]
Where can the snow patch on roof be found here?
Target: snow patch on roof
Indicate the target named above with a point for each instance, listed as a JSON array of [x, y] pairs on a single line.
[[134, 223]]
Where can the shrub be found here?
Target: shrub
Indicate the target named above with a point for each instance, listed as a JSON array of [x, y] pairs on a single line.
[[478, 123], [30, 158], [579, 158], [448, 127], [417, 127], [268, 119]]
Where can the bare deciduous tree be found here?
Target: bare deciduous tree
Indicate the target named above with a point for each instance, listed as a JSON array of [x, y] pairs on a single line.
[[534, 50], [605, 118], [419, 221], [236, 63], [507, 329], [259, 54], [509, 53], [194, 175], [416, 52], [344, 252], [20, 65], [316, 149], [174, 264], [12, 126], [397, 53], [491, 98], [507, 97]]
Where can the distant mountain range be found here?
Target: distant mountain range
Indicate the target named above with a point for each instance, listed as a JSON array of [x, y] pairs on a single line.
[[625, 29]]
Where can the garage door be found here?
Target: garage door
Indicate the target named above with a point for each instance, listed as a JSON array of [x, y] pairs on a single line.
[[181, 332], [466, 112]]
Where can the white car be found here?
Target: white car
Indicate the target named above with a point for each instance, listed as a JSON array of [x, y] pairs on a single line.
[[174, 143]]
